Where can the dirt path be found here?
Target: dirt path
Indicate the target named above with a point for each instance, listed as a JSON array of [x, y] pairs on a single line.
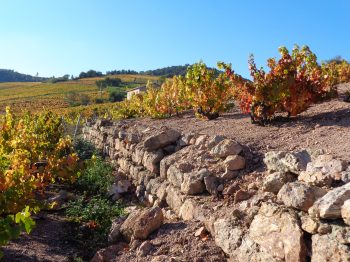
[[50, 241]]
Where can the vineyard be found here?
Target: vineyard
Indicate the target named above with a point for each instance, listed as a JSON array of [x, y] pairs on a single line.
[[34, 154], [294, 82], [36, 151]]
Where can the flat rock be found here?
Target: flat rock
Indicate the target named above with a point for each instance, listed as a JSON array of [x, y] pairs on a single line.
[[193, 183], [329, 206], [114, 232], [227, 235], [161, 139], [316, 178], [211, 184]]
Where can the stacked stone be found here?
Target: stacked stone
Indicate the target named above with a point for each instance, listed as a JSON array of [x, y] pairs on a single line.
[[168, 167], [299, 210]]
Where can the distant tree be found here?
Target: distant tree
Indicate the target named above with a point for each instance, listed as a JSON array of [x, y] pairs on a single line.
[[101, 84], [108, 82], [122, 72], [90, 73], [116, 96], [73, 98], [337, 60]]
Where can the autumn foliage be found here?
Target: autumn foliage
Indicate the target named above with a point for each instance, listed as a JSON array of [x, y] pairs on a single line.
[[292, 84]]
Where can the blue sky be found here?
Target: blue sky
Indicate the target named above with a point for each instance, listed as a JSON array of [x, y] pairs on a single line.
[[69, 36]]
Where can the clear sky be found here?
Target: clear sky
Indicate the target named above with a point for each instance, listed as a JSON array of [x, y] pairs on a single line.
[[57, 37]]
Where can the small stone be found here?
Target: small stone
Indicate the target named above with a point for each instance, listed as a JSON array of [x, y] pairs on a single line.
[[229, 175], [241, 195], [324, 229], [114, 232], [231, 189], [141, 223], [316, 178], [345, 176], [213, 141], [108, 253], [211, 184], [329, 206], [161, 139], [309, 225], [144, 249], [299, 195], [225, 148], [220, 188], [201, 232]]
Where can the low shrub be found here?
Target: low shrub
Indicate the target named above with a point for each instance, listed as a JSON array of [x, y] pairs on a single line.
[[96, 178], [84, 149], [94, 213], [293, 83]]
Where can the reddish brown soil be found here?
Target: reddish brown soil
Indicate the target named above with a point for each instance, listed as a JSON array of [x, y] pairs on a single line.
[[50, 241], [175, 241], [325, 126]]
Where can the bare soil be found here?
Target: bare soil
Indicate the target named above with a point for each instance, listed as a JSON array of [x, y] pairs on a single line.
[[323, 126], [50, 241], [175, 241]]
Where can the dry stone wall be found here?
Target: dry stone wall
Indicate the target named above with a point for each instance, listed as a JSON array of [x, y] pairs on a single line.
[[298, 210]]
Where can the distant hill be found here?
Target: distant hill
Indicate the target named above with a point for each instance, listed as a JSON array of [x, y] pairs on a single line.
[[168, 71], [12, 76]]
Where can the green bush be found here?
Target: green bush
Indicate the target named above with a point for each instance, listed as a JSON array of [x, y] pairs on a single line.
[[116, 96], [85, 149], [98, 100], [97, 178], [75, 99], [96, 213]]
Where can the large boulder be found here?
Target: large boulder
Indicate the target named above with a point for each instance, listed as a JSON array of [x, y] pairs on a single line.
[[277, 232], [329, 206], [299, 195], [225, 148], [141, 223], [161, 139]]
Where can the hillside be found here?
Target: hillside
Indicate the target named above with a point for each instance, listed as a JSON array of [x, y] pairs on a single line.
[[12, 76], [36, 96]]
